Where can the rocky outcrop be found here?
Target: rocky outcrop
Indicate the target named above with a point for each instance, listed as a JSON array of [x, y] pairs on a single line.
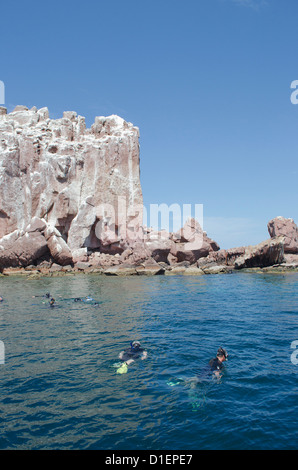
[[188, 244], [70, 176], [57, 246], [267, 253], [71, 200], [76, 192], [282, 227], [21, 248]]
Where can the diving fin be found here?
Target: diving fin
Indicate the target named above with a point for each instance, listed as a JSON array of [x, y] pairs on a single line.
[[122, 369]]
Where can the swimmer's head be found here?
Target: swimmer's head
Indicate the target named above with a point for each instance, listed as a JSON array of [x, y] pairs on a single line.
[[52, 301], [1, 299], [135, 345], [221, 352]]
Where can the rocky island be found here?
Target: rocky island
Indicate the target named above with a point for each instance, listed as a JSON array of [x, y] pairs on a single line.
[[71, 201]]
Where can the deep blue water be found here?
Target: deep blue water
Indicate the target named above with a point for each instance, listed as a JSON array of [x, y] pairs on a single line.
[[60, 390]]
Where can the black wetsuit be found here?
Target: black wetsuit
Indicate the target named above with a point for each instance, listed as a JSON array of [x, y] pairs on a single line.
[[215, 364], [132, 354]]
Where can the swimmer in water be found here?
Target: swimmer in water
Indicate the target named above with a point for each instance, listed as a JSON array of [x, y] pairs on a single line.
[[200, 387], [129, 355], [52, 302], [84, 299], [135, 351], [211, 370], [216, 364], [47, 296], [1, 299]]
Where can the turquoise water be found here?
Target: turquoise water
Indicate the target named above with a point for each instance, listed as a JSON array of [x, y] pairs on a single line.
[[60, 390]]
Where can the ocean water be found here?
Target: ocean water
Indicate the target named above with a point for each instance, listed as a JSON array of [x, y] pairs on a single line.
[[59, 386]]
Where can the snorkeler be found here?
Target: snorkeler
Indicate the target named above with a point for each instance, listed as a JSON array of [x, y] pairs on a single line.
[[216, 364], [47, 295], [84, 299], [135, 351], [52, 302], [129, 355]]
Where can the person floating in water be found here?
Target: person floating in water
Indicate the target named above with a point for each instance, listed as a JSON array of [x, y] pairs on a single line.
[[216, 364], [47, 296], [212, 369], [129, 355], [87, 299]]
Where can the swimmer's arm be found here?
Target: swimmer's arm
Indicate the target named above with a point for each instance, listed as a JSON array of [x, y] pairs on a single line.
[[121, 355], [129, 360], [144, 355]]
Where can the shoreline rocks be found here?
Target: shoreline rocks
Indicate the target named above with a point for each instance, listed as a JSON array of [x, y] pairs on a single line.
[[40, 250]]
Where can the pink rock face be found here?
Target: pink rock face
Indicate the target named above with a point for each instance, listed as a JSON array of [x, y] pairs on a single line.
[[59, 171], [21, 248], [282, 227], [190, 232], [188, 244], [266, 253], [57, 246]]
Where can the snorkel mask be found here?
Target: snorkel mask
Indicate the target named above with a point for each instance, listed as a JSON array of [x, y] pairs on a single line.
[[135, 345], [222, 352]]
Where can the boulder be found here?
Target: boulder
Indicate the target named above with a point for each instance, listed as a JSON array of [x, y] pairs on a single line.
[[136, 254], [21, 248], [36, 225], [282, 227], [59, 249], [159, 244], [150, 268], [222, 257], [103, 260], [291, 259], [80, 255], [192, 243], [191, 251], [190, 232], [267, 253], [216, 269], [193, 270], [121, 270]]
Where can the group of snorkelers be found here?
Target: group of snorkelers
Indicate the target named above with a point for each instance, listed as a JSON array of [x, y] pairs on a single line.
[[52, 300], [135, 351]]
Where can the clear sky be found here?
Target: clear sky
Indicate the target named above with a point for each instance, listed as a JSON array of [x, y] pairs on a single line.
[[206, 81]]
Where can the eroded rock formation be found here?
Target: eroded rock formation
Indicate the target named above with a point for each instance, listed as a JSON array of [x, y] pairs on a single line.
[[286, 228], [62, 172]]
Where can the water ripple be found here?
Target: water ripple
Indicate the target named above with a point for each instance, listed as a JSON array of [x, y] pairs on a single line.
[[60, 390]]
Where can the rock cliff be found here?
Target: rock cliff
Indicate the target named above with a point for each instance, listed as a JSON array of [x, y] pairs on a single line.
[[62, 172]]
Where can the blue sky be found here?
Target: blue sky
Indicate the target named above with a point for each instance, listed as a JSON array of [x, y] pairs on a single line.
[[206, 81]]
